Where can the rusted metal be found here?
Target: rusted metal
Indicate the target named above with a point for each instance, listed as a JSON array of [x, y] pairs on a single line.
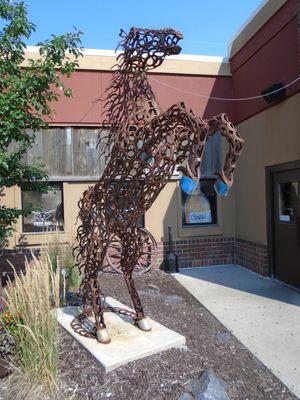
[[145, 262], [142, 145]]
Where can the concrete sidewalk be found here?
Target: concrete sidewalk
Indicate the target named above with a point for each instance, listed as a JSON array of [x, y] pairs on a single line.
[[264, 314]]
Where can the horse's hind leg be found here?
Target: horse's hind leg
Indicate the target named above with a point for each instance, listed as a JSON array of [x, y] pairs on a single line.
[[131, 251], [95, 258], [91, 251], [97, 250], [102, 334]]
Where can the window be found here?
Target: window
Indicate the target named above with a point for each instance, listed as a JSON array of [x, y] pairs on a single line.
[[48, 210], [288, 198], [200, 208], [68, 151]]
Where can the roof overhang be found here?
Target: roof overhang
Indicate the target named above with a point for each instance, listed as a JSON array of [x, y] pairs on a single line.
[[185, 64], [253, 24]]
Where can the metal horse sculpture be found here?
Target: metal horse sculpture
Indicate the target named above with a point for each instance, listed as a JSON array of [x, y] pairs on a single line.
[[142, 147]]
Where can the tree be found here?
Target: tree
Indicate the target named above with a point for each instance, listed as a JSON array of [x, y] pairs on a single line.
[[26, 95]]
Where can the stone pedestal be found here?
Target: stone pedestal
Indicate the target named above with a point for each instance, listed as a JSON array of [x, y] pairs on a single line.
[[128, 343]]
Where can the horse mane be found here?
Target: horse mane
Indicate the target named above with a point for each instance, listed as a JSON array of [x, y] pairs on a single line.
[[121, 92], [117, 96]]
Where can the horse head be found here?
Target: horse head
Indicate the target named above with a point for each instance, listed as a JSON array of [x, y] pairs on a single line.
[[146, 49]]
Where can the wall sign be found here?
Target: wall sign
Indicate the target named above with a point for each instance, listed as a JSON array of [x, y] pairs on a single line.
[[200, 208]]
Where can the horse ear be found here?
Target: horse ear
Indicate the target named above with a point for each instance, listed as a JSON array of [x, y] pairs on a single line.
[[122, 33]]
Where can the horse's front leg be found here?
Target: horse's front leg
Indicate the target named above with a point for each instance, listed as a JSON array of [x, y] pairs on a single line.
[[102, 334], [220, 123]]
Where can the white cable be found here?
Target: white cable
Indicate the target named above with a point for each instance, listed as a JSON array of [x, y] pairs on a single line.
[[223, 98], [196, 41]]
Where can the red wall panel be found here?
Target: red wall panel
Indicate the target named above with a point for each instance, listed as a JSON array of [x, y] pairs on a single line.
[[88, 86], [270, 57]]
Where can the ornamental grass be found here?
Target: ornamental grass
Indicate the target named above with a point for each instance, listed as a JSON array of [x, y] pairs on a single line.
[[34, 295], [60, 249]]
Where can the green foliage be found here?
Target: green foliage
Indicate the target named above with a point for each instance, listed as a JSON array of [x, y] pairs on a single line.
[[9, 322], [61, 253], [26, 95], [73, 277]]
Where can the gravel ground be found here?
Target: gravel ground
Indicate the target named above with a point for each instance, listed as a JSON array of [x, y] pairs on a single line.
[[165, 375]]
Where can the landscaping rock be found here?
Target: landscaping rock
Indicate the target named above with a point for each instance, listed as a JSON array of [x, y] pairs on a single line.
[[186, 396], [209, 387], [4, 368], [7, 343], [172, 298], [223, 337], [153, 288]]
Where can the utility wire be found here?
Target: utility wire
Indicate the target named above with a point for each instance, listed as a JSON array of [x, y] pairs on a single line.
[[222, 98], [190, 93], [199, 42]]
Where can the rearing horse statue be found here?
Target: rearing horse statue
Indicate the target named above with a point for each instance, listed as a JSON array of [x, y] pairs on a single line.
[[142, 147]]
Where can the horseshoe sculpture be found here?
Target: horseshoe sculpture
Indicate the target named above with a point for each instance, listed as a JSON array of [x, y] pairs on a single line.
[[142, 144]]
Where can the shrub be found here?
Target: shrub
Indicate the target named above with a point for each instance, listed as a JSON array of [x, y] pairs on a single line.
[[10, 322]]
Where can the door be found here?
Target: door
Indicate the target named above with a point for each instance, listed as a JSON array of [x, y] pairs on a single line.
[[286, 223]]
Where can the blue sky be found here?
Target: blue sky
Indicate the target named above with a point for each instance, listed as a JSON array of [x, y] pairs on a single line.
[[207, 26]]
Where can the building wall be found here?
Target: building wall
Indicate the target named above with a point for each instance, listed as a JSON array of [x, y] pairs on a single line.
[[298, 32], [85, 108], [271, 137], [199, 75], [269, 57], [265, 52]]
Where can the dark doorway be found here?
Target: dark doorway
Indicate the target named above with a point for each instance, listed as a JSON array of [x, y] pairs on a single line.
[[284, 222]]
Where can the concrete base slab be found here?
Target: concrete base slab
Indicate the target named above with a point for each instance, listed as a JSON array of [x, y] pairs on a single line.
[[128, 342], [262, 313]]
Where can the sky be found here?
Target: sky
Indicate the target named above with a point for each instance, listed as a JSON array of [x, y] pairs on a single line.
[[207, 25]]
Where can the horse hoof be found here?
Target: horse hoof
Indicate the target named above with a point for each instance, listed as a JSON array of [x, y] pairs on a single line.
[[143, 325], [103, 336]]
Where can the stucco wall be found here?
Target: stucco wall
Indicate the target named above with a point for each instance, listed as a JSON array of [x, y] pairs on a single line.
[[166, 211], [272, 137]]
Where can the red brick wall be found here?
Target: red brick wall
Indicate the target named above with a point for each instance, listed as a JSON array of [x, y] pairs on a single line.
[[15, 257], [191, 252], [216, 251], [199, 252], [251, 255]]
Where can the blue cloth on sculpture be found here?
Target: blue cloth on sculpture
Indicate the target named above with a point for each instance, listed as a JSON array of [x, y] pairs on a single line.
[[221, 187], [188, 185]]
